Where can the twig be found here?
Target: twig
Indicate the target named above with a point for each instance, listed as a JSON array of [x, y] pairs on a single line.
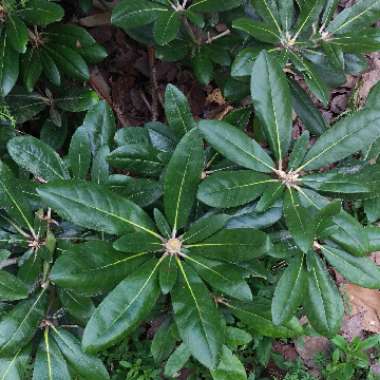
[[223, 34], [190, 31], [154, 84]]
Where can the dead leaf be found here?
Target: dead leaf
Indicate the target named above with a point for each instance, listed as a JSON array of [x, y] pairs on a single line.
[[310, 346], [98, 19], [217, 97]]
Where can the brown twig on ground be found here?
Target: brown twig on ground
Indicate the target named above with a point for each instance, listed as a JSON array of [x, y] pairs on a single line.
[[154, 84]]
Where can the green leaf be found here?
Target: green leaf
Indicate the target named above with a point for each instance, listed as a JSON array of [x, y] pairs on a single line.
[[286, 13], [80, 154], [203, 66], [299, 151], [237, 337], [162, 224], [229, 368], [79, 307], [323, 304], [68, 60], [100, 125], [14, 367], [290, 290], [182, 177], [31, 68], [311, 117], [269, 13], [100, 168], [168, 274], [50, 363], [41, 12], [18, 327], [236, 146], [93, 267], [346, 137], [272, 193], [123, 308], [329, 11], [204, 228], [244, 61], [177, 360], [11, 288], [164, 341], [257, 316], [130, 14], [367, 41], [166, 27], [358, 270], [232, 245], [76, 100], [95, 207], [310, 12], [233, 188], [198, 320], [258, 30], [334, 54], [50, 69], [271, 98], [177, 111], [225, 278], [17, 33], [135, 242], [214, 5], [37, 157], [84, 365], [362, 14], [9, 68]]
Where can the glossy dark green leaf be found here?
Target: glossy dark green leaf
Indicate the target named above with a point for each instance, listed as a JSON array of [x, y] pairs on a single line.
[[80, 153], [358, 270], [50, 69], [346, 137], [166, 27], [268, 11], [18, 327], [299, 151], [236, 146], [11, 288], [177, 111], [272, 101], [162, 224], [198, 320], [362, 14], [79, 307], [286, 10], [323, 303], [129, 14], [256, 315], [229, 368], [13, 367], [168, 274], [177, 360], [50, 363], [9, 68], [307, 111], [31, 68], [37, 157], [93, 267], [309, 14], [329, 11], [373, 233], [76, 100], [164, 341], [182, 177], [258, 30], [84, 365], [232, 188], [135, 242], [123, 308], [41, 12], [203, 66], [232, 245], [214, 5], [290, 290], [244, 61], [272, 193], [100, 168], [367, 41], [93, 206], [225, 278], [17, 33], [204, 228]]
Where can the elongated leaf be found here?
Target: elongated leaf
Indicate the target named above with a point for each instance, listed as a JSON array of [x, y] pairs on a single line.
[[257, 316], [17, 33], [233, 188], [232, 245], [226, 278], [135, 242], [269, 13], [204, 228], [41, 12], [37, 157], [214, 5], [168, 274], [123, 309], [85, 365], [79, 307], [368, 40], [80, 153], [177, 111], [95, 207], [271, 98], [310, 12], [132, 14], [345, 138], [11, 288], [258, 30], [13, 367], [236, 146], [323, 304], [164, 341], [76, 100], [18, 327], [182, 177], [299, 151], [197, 318], [31, 68], [289, 292], [230, 367], [93, 267], [9, 68], [50, 363], [358, 270], [177, 360], [362, 14], [166, 27], [100, 168], [286, 13]]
